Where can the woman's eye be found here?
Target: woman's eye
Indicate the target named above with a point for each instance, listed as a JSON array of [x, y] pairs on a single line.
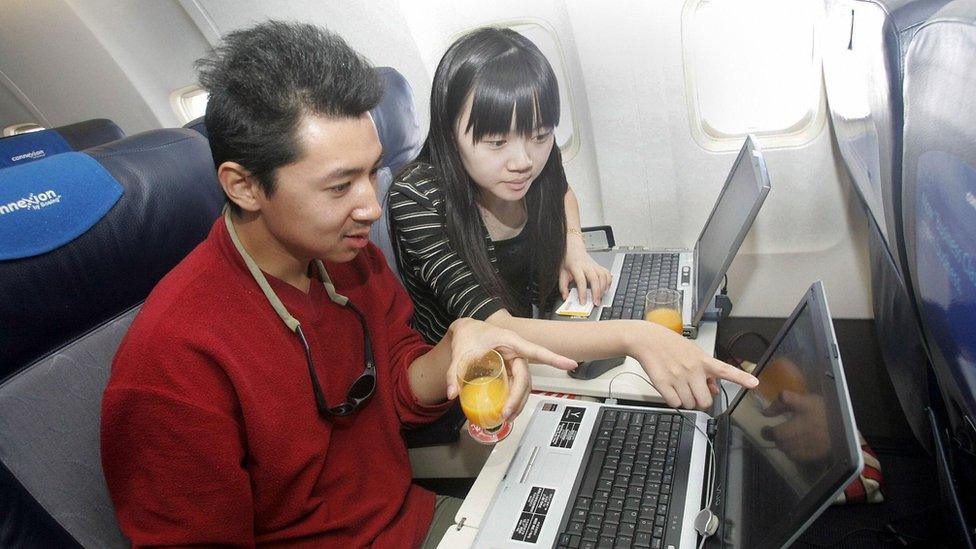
[[494, 143], [542, 137]]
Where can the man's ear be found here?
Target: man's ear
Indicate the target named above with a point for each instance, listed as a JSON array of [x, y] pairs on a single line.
[[240, 186]]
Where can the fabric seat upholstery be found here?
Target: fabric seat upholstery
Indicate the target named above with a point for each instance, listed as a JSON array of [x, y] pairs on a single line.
[[68, 309], [939, 167], [863, 67]]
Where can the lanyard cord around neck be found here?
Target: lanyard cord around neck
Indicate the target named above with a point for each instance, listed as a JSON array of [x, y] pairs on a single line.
[[293, 324]]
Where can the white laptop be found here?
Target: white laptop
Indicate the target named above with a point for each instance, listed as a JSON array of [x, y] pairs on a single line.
[[589, 475], [698, 272]]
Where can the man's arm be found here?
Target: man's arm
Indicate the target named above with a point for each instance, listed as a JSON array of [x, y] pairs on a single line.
[[433, 376], [174, 471], [172, 451]]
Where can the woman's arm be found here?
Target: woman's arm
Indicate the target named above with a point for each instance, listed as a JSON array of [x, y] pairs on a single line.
[[577, 265], [683, 373]]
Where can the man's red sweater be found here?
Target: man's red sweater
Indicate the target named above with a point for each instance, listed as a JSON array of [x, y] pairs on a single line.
[[210, 433]]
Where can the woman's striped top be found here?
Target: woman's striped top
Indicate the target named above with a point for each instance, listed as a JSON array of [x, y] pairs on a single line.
[[440, 282]]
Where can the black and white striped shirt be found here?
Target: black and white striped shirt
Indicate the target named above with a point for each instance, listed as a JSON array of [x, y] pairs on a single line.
[[439, 280]]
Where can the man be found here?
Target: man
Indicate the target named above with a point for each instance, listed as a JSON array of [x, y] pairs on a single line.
[[259, 395]]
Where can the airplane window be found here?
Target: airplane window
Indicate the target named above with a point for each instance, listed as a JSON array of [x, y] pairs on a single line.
[[753, 66], [547, 42], [17, 129], [190, 103]]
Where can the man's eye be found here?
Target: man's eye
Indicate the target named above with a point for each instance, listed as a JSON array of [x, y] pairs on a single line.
[[341, 188]]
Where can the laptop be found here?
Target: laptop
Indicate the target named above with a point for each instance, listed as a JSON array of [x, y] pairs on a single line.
[[698, 272], [589, 475]]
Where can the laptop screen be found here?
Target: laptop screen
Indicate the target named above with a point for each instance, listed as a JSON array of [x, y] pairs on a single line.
[[789, 440], [729, 222]]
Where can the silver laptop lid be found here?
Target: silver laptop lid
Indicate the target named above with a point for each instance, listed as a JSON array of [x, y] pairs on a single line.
[[727, 226]]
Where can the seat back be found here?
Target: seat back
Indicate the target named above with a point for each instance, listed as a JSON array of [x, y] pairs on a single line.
[[68, 309], [399, 131], [939, 168], [863, 77], [28, 147], [863, 67], [197, 125]]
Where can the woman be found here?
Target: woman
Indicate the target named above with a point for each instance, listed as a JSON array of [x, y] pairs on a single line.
[[484, 224]]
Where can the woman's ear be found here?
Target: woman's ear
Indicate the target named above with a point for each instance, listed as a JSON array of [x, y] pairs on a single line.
[[240, 186]]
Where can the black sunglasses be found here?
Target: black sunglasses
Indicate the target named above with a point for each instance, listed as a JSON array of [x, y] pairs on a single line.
[[360, 390]]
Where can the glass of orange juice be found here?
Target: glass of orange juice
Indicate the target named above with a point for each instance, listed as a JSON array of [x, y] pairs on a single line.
[[483, 383], [663, 306]]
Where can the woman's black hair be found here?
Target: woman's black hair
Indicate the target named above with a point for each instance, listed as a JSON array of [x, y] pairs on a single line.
[[506, 73]]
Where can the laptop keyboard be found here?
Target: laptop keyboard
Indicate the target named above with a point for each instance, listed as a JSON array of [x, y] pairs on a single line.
[[626, 490], [639, 274]]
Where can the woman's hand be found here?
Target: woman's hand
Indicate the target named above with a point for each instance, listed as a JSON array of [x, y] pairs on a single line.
[[469, 335], [685, 375], [580, 268]]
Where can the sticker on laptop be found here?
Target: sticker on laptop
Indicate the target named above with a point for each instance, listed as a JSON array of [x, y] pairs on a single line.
[[529, 524], [568, 428]]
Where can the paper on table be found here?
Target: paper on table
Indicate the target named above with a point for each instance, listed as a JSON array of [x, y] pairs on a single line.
[[573, 307]]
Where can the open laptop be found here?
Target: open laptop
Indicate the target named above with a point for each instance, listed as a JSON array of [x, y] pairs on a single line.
[[592, 475], [698, 272]]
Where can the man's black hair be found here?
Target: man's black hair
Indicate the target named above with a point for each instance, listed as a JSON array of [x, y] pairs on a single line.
[[265, 79]]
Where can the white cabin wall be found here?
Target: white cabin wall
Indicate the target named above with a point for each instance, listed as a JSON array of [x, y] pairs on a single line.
[[53, 58], [658, 185], [376, 29], [12, 109], [154, 43]]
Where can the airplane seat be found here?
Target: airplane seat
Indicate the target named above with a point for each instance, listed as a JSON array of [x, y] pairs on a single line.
[[197, 125], [939, 167], [863, 77], [398, 128], [32, 146], [76, 261]]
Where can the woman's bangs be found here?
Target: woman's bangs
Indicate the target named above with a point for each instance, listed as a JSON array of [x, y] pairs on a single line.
[[502, 88]]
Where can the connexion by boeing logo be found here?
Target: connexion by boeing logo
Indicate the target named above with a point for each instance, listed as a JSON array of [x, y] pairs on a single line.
[[33, 155], [31, 202]]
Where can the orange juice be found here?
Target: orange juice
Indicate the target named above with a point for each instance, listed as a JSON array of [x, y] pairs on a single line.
[[482, 400], [781, 374], [669, 318]]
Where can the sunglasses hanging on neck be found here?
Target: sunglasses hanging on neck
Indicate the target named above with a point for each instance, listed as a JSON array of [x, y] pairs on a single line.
[[362, 389]]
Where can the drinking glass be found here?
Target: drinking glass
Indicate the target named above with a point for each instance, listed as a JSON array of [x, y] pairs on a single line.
[[663, 306], [484, 386]]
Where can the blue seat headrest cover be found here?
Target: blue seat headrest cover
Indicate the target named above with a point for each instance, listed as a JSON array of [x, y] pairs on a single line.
[[44, 205], [28, 147], [169, 201]]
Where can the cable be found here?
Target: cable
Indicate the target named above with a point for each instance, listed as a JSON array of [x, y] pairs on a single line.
[[725, 284], [887, 535], [710, 491]]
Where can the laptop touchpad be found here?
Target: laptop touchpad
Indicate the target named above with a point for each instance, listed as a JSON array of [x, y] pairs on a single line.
[[551, 469]]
